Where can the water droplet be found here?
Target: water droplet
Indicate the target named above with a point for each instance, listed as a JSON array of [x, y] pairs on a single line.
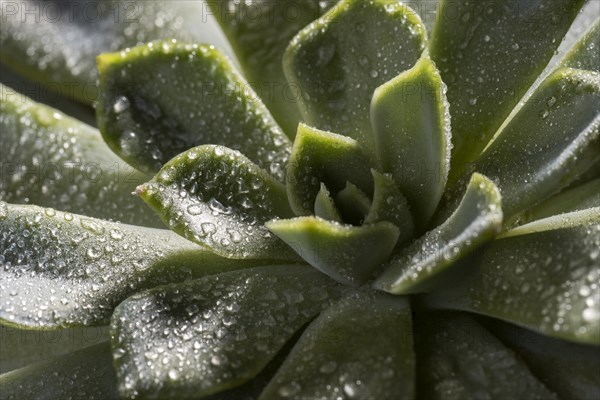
[[195, 209], [290, 389], [121, 105]]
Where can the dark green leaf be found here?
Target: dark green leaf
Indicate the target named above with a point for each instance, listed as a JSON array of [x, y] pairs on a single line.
[[337, 356], [411, 124], [459, 359], [259, 32], [489, 53], [324, 157], [325, 207], [543, 277], [339, 60], [349, 254], [84, 374], [477, 219], [160, 99], [218, 198], [52, 160], [197, 338], [353, 204], [60, 269]]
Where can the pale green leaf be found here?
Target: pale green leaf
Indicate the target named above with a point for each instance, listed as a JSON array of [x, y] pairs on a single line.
[[489, 53], [339, 60], [160, 99], [349, 254], [411, 124], [60, 269], [338, 356], [477, 220], [544, 279], [193, 339], [325, 207], [585, 54], [218, 198], [353, 204], [52, 160]]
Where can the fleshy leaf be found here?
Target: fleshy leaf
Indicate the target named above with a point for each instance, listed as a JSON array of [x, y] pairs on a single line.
[[60, 269], [259, 32], [52, 160], [585, 54], [22, 347], [488, 54], [460, 359], [569, 369], [338, 61], [160, 99], [55, 42], [552, 139], [543, 279], [337, 353], [353, 204], [477, 219], [218, 198], [200, 337], [324, 157], [84, 374], [349, 254], [411, 124], [390, 205], [325, 207]]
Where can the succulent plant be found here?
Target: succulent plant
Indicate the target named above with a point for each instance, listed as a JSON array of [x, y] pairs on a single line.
[[375, 208]]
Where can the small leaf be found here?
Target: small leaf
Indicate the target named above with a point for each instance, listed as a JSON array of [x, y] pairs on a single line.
[[56, 42], [337, 353], [259, 32], [477, 219], [569, 369], [544, 280], [561, 221], [83, 374], [52, 160], [353, 203], [411, 124], [584, 54], [459, 359], [390, 205], [197, 338], [324, 157], [337, 80], [349, 254], [60, 269], [488, 54], [22, 347], [160, 99], [218, 198], [325, 207]]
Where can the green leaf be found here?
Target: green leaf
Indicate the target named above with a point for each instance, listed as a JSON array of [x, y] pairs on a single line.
[[353, 204], [339, 60], [568, 369], [488, 54], [561, 221], [459, 359], [52, 160], [197, 338], [160, 99], [337, 354], [259, 32], [60, 269], [325, 207], [577, 198], [584, 54], [21, 347], [83, 374], [477, 219], [218, 198], [56, 42], [548, 143], [349, 254], [543, 279], [324, 157], [411, 124]]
